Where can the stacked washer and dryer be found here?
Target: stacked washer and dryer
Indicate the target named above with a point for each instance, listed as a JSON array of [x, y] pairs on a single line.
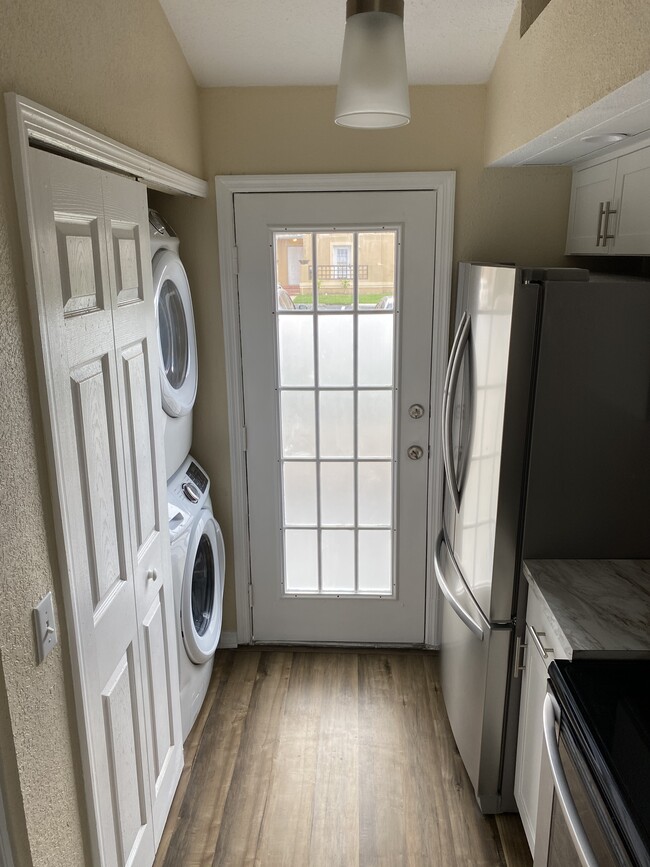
[[198, 556]]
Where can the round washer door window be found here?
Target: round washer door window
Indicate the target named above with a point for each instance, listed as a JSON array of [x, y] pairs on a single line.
[[177, 354], [202, 593]]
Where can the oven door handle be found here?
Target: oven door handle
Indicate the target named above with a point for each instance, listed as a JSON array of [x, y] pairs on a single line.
[[580, 841]]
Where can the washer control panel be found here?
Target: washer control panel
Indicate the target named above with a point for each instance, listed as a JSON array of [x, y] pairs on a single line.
[[196, 475], [188, 488]]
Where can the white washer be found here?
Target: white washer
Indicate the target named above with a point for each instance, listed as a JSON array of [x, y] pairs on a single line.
[[176, 341], [198, 565]]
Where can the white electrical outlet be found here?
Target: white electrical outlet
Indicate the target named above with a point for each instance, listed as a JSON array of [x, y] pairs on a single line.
[[45, 627]]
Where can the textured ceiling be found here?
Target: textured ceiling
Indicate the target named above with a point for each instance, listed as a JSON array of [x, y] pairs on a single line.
[[275, 42]]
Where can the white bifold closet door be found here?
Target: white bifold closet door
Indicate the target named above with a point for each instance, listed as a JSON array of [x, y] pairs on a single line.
[[97, 328]]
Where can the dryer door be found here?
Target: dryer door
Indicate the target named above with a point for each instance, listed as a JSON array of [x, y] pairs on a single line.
[[176, 334], [202, 591]]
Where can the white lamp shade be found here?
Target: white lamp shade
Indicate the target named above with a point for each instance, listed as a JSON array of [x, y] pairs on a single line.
[[373, 84]]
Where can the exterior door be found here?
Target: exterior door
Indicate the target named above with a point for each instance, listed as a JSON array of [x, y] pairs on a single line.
[[336, 399], [95, 307]]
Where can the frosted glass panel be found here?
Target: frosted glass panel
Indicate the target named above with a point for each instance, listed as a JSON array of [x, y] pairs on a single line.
[[293, 271], [376, 349], [335, 351], [301, 561], [300, 493], [375, 494], [375, 561], [337, 494], [338, 561], [377, 270], [298, 424], [375, 423], [336, 424], [296, 349]]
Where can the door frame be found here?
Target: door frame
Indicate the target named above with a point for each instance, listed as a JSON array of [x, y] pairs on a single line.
[[443, 184]]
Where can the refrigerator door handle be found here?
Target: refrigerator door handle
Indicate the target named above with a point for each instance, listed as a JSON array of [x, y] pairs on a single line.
[[451, 381], [467, 619], [445, 392]]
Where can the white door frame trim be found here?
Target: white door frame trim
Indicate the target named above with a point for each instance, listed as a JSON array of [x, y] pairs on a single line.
[[444, 184], [33, 124]]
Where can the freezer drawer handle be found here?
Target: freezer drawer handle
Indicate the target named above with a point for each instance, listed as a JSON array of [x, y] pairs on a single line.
[[451, 381], [551, 715], [469, 621]]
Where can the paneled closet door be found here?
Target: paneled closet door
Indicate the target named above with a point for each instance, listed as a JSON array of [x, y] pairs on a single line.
[[122, 638], [129, 265]]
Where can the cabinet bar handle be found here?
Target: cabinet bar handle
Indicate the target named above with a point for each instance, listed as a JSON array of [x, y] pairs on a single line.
[[608, 211], [599, 234], [536, 636], [520, 647]]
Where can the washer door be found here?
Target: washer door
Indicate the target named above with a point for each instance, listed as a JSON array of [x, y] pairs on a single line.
[[202, 591], [176, 334]]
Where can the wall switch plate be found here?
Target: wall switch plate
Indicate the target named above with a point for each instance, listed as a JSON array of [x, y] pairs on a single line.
[[45, 627]]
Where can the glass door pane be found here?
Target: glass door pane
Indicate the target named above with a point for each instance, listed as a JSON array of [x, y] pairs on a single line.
[[336, 409]]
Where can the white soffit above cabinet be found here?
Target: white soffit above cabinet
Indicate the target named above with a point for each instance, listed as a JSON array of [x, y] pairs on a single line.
[[245, 43], [626, 110]]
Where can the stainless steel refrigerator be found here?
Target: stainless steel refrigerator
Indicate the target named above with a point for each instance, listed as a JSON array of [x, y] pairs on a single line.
[[546, 446]]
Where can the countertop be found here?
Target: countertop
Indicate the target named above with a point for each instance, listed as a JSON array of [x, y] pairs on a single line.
[[597, 606]]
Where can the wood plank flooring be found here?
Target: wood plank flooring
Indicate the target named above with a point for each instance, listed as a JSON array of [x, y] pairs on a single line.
[[314, 758]]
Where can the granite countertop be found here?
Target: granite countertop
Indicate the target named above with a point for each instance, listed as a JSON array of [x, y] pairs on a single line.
[[597, 606]]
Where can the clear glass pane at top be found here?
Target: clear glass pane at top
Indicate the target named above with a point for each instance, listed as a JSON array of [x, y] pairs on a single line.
[[298, 424], [377, 269], [301, 561], [296, 350], [375, 424], [300, 493], [375, 349], [335, 350], [335, 270], [293, 271]]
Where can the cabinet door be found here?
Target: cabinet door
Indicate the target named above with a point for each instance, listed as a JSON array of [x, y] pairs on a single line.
[[590, 189], [529, 745], [540, 640], [631, 224]]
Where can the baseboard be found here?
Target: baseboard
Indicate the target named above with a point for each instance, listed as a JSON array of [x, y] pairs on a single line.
[[228, 640]]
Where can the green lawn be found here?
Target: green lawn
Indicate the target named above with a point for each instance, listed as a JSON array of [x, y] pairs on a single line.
[[342, 298]]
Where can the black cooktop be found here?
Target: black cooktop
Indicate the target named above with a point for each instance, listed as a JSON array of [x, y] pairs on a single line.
[[607, 705]]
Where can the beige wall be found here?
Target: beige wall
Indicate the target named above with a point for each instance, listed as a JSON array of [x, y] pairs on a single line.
[[501, 214], [575, 53], [117, 68]]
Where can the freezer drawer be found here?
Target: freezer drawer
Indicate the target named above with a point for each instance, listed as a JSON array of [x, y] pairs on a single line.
[[474, 673]]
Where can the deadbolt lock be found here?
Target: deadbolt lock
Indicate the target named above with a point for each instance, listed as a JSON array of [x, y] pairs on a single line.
[[415, 453], [416, 410]]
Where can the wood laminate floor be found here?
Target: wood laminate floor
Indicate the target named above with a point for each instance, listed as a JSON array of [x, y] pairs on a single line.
[[305, 758]]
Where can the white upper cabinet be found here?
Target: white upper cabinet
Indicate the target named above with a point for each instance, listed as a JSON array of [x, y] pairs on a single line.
[[610, 207]]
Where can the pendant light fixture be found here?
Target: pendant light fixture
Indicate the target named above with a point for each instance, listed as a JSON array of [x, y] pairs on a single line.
[[373, 84]]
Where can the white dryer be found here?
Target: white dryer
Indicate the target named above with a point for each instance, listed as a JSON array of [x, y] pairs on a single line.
[[198, 569], [176, 341]]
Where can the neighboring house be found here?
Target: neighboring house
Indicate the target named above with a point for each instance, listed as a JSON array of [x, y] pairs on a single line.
[[117, 68]]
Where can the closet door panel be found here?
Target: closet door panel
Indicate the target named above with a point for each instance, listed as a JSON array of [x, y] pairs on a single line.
[[136, 348], [74, 305]]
